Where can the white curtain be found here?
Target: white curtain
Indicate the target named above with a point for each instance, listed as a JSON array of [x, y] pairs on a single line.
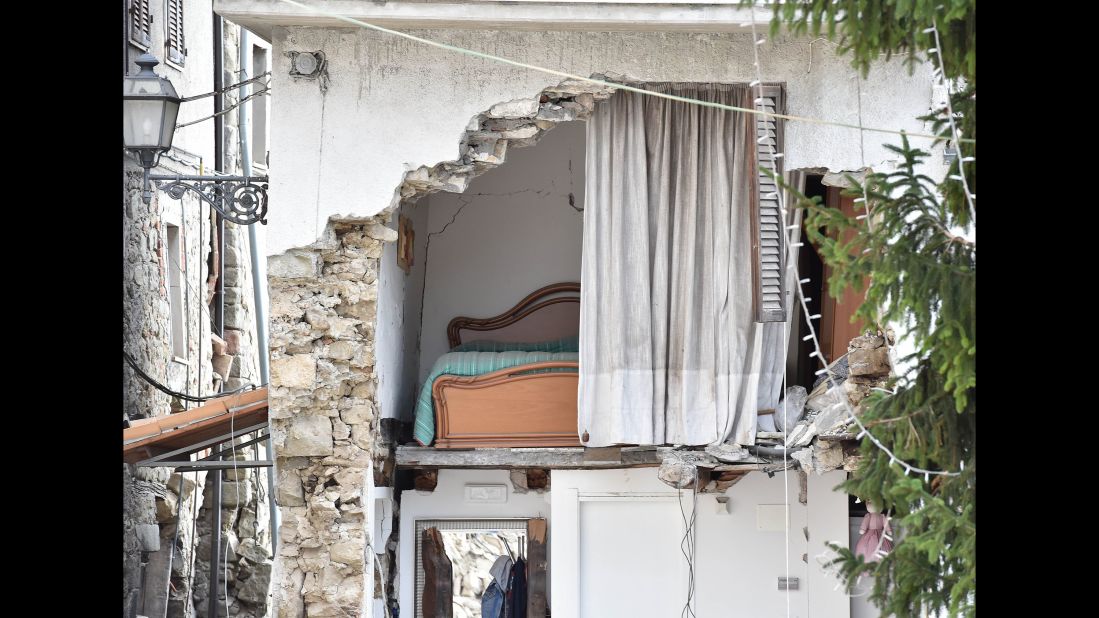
[[669, 352]]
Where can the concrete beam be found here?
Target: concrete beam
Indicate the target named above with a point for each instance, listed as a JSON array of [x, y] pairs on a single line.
[[261, 16]]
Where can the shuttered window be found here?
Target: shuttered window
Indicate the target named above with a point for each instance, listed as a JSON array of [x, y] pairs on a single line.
[[141, 23], [769, 250], [175, 49]]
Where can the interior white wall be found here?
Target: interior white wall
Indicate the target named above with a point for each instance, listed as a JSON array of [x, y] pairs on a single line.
[[511, 232], [737, 566], [448, 502], [396, 347], [343, 146]]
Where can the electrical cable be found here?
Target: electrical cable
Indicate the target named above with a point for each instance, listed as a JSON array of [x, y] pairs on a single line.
[[164, 389]]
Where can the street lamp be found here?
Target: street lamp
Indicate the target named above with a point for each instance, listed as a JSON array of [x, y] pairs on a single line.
[[149, 109]]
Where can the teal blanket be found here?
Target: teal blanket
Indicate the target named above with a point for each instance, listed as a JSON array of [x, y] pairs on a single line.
[[566, 344], [473, 364]]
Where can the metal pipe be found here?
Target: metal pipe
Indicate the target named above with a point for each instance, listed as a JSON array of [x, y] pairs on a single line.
[[219, 166], [172, 549], [215, 544], [219, 308], [259, 267], [767, 451]]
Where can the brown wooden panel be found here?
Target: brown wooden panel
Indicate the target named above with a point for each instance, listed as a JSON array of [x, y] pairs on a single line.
[[507, 408], [438, 599], [532, 304], [212, 419], [835, 325], [536, 568]]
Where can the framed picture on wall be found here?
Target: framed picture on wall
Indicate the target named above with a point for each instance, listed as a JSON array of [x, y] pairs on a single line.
[[405, 242]]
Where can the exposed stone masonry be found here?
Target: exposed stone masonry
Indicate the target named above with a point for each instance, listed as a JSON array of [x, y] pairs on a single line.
[[323, 313], [329, 450]]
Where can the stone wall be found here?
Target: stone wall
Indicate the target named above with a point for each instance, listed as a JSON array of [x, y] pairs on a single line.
[[323, 314], [245, 513], [151, 496]]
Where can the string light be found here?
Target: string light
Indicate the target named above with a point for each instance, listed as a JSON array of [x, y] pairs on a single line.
[[969, 196], [864, 432], [773, 146]]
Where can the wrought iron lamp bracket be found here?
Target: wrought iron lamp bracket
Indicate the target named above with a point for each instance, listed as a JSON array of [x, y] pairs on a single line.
[[240, 199]]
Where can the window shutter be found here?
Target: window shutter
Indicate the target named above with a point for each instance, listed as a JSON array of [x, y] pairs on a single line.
[[141, 23], [769, 247], [174, 43]]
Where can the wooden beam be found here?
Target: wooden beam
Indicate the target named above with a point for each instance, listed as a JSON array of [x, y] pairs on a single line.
[[562, 458], [558, 458], [536, 567]]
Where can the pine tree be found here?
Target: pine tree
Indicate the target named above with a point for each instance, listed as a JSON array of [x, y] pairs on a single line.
[[923, 277]]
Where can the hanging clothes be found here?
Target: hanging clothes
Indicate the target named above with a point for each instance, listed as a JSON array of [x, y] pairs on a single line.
[[517, 591], [874, 527], [494, 599]]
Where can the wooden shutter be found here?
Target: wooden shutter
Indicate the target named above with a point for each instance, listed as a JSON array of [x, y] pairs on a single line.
[[141, 23], [173, 39], [768, 227]]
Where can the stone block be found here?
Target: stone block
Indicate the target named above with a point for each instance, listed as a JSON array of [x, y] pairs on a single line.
[[308, 436], [358, 415], [868, 361], [148, 536], [377, 231], [294, 265], [294, 371], [518, 108]]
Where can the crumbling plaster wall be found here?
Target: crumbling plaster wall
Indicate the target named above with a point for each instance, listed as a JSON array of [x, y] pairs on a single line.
[[392, 105], [515, 229], [380, 128]]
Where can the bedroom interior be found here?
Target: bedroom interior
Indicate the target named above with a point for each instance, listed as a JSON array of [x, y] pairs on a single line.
[[479, 310]]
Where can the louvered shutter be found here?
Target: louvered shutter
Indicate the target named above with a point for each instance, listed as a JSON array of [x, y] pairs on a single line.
[[173, 40], [769, 248], [141, 23]]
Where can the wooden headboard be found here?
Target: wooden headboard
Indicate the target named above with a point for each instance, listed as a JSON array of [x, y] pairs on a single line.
[[557, 307]]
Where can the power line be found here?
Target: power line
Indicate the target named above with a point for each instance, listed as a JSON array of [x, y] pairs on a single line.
[[164, 389]]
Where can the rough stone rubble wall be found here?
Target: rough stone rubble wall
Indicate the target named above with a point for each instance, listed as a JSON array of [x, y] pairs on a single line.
[[151, 496], [245, 511], [323, 314], [323, 407]]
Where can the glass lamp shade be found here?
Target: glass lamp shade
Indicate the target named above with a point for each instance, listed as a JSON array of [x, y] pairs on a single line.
[[149, 108]]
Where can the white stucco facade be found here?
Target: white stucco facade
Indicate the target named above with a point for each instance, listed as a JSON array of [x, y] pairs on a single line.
[[390, 105]]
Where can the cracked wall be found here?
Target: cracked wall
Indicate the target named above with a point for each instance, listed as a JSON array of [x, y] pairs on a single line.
[[393, 105], [514, 230], [381, 135]]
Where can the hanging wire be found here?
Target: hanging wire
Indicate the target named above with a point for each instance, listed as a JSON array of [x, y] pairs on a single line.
[[687, 544], [164, 389]]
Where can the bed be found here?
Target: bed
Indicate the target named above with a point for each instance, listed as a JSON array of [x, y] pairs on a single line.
[[513, 383]]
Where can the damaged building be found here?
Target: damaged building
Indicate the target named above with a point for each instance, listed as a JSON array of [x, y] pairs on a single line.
[[513, 317]]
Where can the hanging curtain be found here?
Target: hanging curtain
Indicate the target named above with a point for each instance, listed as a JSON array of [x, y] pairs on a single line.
[[669, 351]]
